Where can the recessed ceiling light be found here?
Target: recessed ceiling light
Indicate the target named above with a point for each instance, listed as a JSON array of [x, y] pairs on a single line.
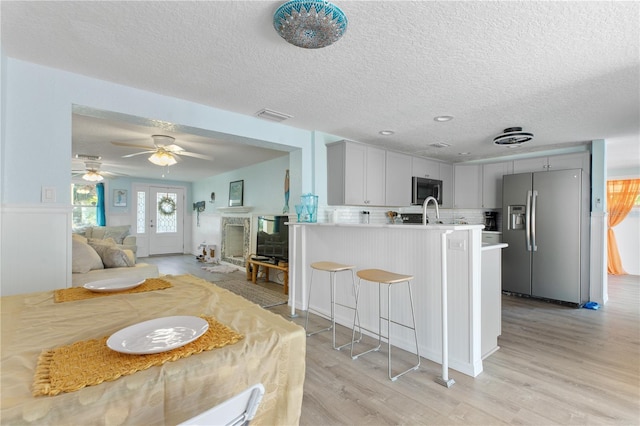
[[386, 132], [443, 118]]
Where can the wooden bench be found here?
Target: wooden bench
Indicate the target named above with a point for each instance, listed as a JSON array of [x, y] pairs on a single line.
[[253, 266]]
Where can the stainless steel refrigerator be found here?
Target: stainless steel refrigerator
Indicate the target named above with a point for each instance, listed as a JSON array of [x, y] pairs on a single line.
[[544, 224]]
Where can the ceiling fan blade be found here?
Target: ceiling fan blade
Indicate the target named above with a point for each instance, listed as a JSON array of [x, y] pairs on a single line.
[[173, 148], [130, 145], [112, 174], [139, 153], [195, 155]]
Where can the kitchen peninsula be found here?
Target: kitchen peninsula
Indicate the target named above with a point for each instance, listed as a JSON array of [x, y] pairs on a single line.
[[408, 249]]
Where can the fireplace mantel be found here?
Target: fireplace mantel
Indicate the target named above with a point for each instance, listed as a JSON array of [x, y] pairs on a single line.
[[239, 209]]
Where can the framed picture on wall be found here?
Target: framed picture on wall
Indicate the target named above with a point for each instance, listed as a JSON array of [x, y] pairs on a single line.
[[120, 198], [236, 193]]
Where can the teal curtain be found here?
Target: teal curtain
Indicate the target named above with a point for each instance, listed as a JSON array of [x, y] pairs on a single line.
[[101, 216]]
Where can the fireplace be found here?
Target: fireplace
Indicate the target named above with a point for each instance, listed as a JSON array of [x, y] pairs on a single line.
[[236, 240]]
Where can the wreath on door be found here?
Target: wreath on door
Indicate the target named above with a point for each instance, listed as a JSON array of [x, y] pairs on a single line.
[[166, 206]]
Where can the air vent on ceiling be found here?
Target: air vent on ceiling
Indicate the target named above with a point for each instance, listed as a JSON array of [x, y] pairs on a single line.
[[440, 145], [271, 115], [512, 136], [87, 157]]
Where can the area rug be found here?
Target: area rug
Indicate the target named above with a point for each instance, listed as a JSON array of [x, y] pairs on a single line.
[[223, 269], [259, 295]]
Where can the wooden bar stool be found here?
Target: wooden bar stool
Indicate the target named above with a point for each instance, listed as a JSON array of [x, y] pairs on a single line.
[[332, 268], [388, 278]]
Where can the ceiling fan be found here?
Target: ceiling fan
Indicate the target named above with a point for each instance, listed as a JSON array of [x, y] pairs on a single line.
[[165, 152], [92, 172]]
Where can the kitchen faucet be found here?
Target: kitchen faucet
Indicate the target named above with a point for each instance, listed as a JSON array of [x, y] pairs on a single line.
[[424, 209]]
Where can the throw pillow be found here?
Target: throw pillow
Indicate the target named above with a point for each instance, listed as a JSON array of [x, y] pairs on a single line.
[[84, 258], [105, 242], [116, 232], [79, 237], [111, 255], [131, 256], [114, 257], [118, 236]]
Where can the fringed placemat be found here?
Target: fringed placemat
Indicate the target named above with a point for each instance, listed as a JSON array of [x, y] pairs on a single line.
[[81, 293], [91, 362]]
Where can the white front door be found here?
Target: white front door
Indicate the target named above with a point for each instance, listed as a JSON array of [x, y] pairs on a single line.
[[160, 220]]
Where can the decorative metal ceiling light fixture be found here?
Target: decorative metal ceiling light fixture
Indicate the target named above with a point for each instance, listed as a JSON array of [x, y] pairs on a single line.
[[310, 24], [512, 136]]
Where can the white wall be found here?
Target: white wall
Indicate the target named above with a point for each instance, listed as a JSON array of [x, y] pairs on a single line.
[[263, 193], [628, 239], [37, 104]]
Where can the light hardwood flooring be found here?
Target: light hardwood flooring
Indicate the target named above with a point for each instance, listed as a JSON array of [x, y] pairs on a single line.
[[556, 365]]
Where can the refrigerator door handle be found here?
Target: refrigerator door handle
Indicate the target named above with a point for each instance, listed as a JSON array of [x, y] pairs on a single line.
[[533, 221], [527, 220]]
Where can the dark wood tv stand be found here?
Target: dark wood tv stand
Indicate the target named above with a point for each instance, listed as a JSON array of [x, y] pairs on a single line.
[[253, 266]]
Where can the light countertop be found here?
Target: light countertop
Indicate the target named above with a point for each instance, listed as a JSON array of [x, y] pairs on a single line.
[[493, 246], [416, 226]]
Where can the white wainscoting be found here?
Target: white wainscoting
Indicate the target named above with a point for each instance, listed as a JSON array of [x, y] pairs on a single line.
[[36, 248]]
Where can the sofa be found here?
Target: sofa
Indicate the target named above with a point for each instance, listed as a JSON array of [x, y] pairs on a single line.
[[95, 259], [120, 235]]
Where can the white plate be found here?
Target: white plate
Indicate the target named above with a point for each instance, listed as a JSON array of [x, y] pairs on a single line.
[[113, 284], [158, 335]]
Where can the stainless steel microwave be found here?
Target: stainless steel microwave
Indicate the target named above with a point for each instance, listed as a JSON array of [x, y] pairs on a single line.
[[421, 188]]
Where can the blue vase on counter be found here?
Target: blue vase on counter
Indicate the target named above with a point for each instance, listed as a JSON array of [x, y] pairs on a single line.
[[310, 202]]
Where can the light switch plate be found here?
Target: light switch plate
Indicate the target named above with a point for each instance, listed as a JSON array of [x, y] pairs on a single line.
[[48, 194]]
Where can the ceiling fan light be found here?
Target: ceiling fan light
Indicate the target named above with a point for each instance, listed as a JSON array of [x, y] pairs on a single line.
[[513, 136], [92, 176], [162, 158]]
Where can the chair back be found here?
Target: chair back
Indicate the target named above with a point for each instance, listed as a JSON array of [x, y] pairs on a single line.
[[235, 411]]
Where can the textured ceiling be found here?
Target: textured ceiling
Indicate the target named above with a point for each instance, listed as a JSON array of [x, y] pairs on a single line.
[[569, 72]]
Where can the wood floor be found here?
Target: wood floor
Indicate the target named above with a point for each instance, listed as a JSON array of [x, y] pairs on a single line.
[[556, 365]]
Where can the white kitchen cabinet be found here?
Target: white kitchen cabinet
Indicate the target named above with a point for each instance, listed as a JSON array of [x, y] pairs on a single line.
[[580, 160], [467, 179], [492, 183], [398, 179], [355, 174], [491, 237], [538, 164], [556, 162], [491, 297], [425, 168], [446, 176]]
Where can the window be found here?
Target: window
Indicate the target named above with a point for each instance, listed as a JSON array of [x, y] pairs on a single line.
[[85, 205]]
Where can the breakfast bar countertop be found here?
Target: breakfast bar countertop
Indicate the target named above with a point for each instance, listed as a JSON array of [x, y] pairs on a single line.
[[416, 226]]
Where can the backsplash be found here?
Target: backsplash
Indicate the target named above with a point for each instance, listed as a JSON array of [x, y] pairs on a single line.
[[378, 215]]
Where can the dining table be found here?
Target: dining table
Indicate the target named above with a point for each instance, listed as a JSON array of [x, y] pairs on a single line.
[[268, 349]]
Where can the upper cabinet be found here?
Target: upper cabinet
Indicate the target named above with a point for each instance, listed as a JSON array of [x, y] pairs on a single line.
[[423, 167], [398, 179], [446, 176], [467, 193], [492, 183], [356, 174], [557, 162], [431, 169]]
